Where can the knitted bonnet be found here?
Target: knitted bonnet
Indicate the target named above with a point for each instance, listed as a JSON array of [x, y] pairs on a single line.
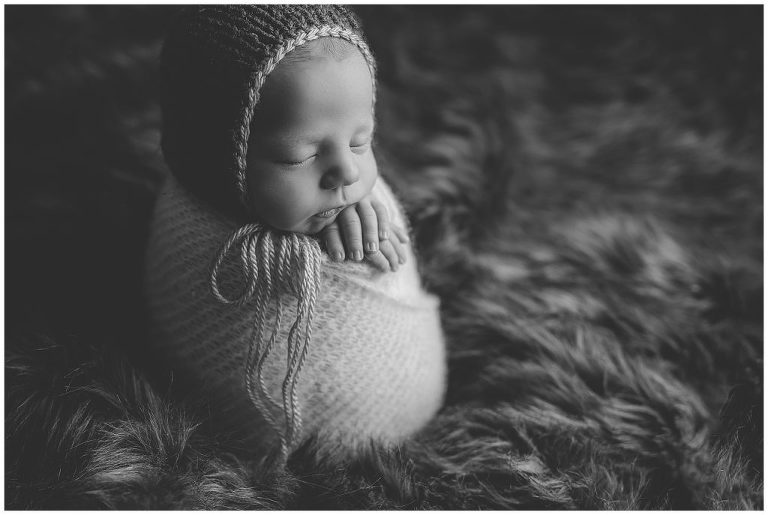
[[215, 61]]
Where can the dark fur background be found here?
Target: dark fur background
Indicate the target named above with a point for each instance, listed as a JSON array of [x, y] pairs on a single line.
[[585, 186]]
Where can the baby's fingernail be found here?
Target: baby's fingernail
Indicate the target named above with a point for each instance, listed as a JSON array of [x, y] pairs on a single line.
[[384, 235], [339, 256], [372, 246], [358, 255]]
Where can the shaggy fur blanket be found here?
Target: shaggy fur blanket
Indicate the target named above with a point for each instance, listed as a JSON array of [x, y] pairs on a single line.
[[585, 184]]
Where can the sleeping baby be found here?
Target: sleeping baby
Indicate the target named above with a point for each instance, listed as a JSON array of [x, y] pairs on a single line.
[[278, 276]]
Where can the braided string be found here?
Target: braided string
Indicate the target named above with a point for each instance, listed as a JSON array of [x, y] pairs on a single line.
[[298, 348], [282, 266], [268, 262], [242, 132]]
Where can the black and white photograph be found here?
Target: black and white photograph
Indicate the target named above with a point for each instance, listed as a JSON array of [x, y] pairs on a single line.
[[384, 257]]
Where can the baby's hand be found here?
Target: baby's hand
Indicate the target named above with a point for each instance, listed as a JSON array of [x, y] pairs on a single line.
[[366, 225]]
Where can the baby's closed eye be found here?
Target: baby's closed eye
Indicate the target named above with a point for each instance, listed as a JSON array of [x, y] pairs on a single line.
[[360, 146], [295, 161]]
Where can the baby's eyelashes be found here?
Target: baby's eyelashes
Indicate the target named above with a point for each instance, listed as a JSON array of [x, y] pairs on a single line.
[[291, 162], [362, 147], [289, 157]]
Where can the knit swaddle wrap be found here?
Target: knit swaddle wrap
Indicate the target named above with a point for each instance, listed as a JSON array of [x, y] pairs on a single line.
[[376, 365]]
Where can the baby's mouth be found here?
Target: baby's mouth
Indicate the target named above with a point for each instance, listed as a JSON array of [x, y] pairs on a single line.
[[330, 212]]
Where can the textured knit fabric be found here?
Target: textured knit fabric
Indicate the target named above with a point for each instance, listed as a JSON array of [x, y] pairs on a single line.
[[376, 365], [215, 60]]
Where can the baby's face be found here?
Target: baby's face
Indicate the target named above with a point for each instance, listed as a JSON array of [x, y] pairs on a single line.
[[310, 150]]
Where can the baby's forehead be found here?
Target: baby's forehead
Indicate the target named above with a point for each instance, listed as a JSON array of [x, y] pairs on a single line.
[[336, 48], [313, 84]]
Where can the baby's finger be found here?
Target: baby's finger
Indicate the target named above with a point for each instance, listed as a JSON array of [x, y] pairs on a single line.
[[378, 260], [370, 226], [333, 244], [349, 223], [399, 249], [382, 216], [401, 233], [388, 251]]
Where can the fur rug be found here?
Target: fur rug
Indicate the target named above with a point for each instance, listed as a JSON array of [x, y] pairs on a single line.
[[585, 185]]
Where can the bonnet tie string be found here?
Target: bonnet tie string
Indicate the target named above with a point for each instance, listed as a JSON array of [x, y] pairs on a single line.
[[273, 264]]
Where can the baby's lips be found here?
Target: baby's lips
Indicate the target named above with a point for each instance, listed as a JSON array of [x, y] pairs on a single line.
[[328, 213]]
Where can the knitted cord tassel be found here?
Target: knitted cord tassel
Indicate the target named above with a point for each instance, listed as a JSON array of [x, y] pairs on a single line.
[[288, 261]]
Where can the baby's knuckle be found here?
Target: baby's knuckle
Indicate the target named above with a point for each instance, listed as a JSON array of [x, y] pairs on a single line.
[[350, 223], [355, 242], [368, 217]]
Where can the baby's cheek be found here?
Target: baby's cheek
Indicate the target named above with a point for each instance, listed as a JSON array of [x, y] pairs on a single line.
[[369, 172], [279, 200]]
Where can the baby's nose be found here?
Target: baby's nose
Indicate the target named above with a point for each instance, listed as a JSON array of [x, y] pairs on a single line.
[[342, 172]]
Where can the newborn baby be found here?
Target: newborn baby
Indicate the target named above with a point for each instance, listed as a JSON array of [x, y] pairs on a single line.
[[268, 125]]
